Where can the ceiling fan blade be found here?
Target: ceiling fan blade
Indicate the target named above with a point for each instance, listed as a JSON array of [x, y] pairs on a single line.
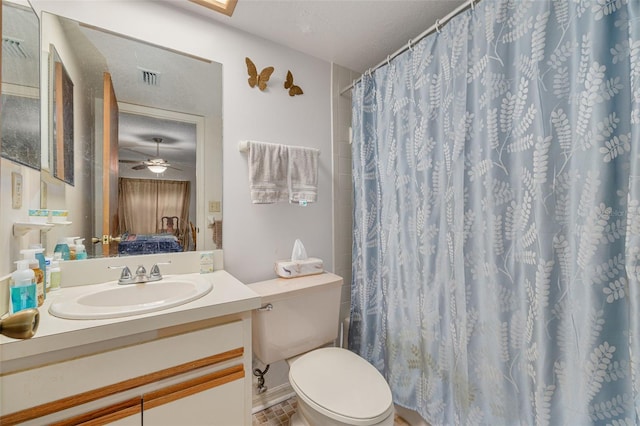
[[139, 167], [129, 161], [174, 168], [145, 155]]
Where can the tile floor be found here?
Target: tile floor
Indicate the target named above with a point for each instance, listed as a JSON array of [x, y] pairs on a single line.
[[279, 415]]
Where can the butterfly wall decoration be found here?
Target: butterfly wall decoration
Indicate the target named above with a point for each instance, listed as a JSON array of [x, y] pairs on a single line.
[[256, 79], [293, 89]]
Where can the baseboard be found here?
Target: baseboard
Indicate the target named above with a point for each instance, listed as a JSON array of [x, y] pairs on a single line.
[[271, 397]]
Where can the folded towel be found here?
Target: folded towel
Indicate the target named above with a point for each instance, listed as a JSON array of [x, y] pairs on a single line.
[[268, 172], [303, 174]]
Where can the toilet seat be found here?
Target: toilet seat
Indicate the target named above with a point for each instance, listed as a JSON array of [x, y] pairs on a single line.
[[341, 385]]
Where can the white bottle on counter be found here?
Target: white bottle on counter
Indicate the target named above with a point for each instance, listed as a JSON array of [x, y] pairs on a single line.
[[56, 275]]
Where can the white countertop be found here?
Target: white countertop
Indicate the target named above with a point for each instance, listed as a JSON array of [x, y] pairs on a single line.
[[228, 296]]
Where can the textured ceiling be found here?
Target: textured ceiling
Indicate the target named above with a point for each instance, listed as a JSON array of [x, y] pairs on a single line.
[[357, 34]]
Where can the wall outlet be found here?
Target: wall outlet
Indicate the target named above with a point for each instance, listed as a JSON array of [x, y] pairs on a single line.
[[16, 190], [214, 206]]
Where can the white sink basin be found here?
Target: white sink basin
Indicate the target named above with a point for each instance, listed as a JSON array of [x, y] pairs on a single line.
[[111, 300]]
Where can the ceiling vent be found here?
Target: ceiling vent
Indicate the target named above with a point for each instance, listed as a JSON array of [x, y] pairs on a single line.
[[149, 77], [12, 47]]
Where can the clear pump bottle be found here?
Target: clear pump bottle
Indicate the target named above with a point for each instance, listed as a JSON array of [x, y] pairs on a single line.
[[30, 256], [81, 252], [72, 247], [42, 262]]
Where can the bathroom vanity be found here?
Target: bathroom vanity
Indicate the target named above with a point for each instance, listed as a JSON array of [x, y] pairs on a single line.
[[189, 364]]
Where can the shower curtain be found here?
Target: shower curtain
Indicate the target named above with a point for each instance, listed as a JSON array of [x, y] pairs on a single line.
[[496, 253]]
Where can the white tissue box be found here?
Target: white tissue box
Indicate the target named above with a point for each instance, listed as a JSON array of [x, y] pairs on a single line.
[[299, 268]]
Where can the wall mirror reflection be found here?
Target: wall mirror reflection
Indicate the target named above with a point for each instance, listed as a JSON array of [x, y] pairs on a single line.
[[20, 94], [61, 119], [148, 135]]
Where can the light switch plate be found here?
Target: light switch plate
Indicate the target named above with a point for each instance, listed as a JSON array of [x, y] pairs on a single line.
[[16, 190], [214, 206]]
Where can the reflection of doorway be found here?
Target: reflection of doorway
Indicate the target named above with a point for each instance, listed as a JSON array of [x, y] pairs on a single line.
[[109, 165], [182, 146], [144, 203]]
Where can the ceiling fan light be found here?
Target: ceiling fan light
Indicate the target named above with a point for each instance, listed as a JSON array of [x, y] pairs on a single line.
[[155, 168]]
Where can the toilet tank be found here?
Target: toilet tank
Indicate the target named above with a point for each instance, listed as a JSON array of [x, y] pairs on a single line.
[[304, 315]]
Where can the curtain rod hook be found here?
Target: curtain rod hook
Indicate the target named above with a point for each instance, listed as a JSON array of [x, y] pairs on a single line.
[[388, 60], [438, 26], [410, 46], [473, 4]]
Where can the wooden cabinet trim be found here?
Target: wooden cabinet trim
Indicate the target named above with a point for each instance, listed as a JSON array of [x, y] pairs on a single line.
[[191, 387], [105, 415], [112, 417], [95, 394]]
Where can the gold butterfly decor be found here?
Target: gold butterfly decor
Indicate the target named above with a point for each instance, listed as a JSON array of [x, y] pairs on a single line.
[[293, 89], [256, 79]]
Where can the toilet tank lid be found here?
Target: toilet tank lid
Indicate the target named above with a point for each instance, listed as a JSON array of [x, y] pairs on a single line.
[[274, 288], [342, 385]]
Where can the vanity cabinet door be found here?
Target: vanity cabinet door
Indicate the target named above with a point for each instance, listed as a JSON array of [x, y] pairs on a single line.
[[214, 399], [125, 413], [193, 362]]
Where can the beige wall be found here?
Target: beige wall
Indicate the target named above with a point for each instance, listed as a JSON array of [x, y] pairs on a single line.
[[342, 180], [255, 236]]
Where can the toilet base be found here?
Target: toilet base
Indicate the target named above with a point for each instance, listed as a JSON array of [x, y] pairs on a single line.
[[297, 420]]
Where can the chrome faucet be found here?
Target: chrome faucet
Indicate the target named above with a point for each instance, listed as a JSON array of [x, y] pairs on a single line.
[[155, 274], [126, 277], [141, 275]]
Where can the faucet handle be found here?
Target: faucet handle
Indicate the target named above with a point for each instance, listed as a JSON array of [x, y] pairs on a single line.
[[125, 276], [141, 271], [155, 270]]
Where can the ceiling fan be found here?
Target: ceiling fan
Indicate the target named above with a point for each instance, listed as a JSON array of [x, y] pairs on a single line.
[[154, 165]]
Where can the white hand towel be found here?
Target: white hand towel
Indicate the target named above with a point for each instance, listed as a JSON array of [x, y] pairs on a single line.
[[303, 174], [268, 172]]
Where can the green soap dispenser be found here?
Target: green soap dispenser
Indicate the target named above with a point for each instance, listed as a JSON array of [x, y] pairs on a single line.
[[63, 249]]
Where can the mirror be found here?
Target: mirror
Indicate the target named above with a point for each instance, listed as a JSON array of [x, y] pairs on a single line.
[[20, 94], [142, 113]]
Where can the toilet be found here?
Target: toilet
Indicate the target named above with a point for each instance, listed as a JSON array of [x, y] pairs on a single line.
[[334, 386]]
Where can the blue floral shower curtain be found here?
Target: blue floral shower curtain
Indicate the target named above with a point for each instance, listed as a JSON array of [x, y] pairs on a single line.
[[496, 170]]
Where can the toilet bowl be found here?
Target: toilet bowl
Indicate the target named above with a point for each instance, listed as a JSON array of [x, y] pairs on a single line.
[[337, 387], [334, 386]]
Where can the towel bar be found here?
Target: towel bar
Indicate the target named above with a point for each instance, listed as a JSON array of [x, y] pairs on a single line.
[[243, 146]]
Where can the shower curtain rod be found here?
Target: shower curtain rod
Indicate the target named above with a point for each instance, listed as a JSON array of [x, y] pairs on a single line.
[[435, 27]]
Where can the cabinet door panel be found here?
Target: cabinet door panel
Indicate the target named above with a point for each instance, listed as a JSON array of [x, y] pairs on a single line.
[[42, 385], [219, 405], [117, 419], [127, 412]]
